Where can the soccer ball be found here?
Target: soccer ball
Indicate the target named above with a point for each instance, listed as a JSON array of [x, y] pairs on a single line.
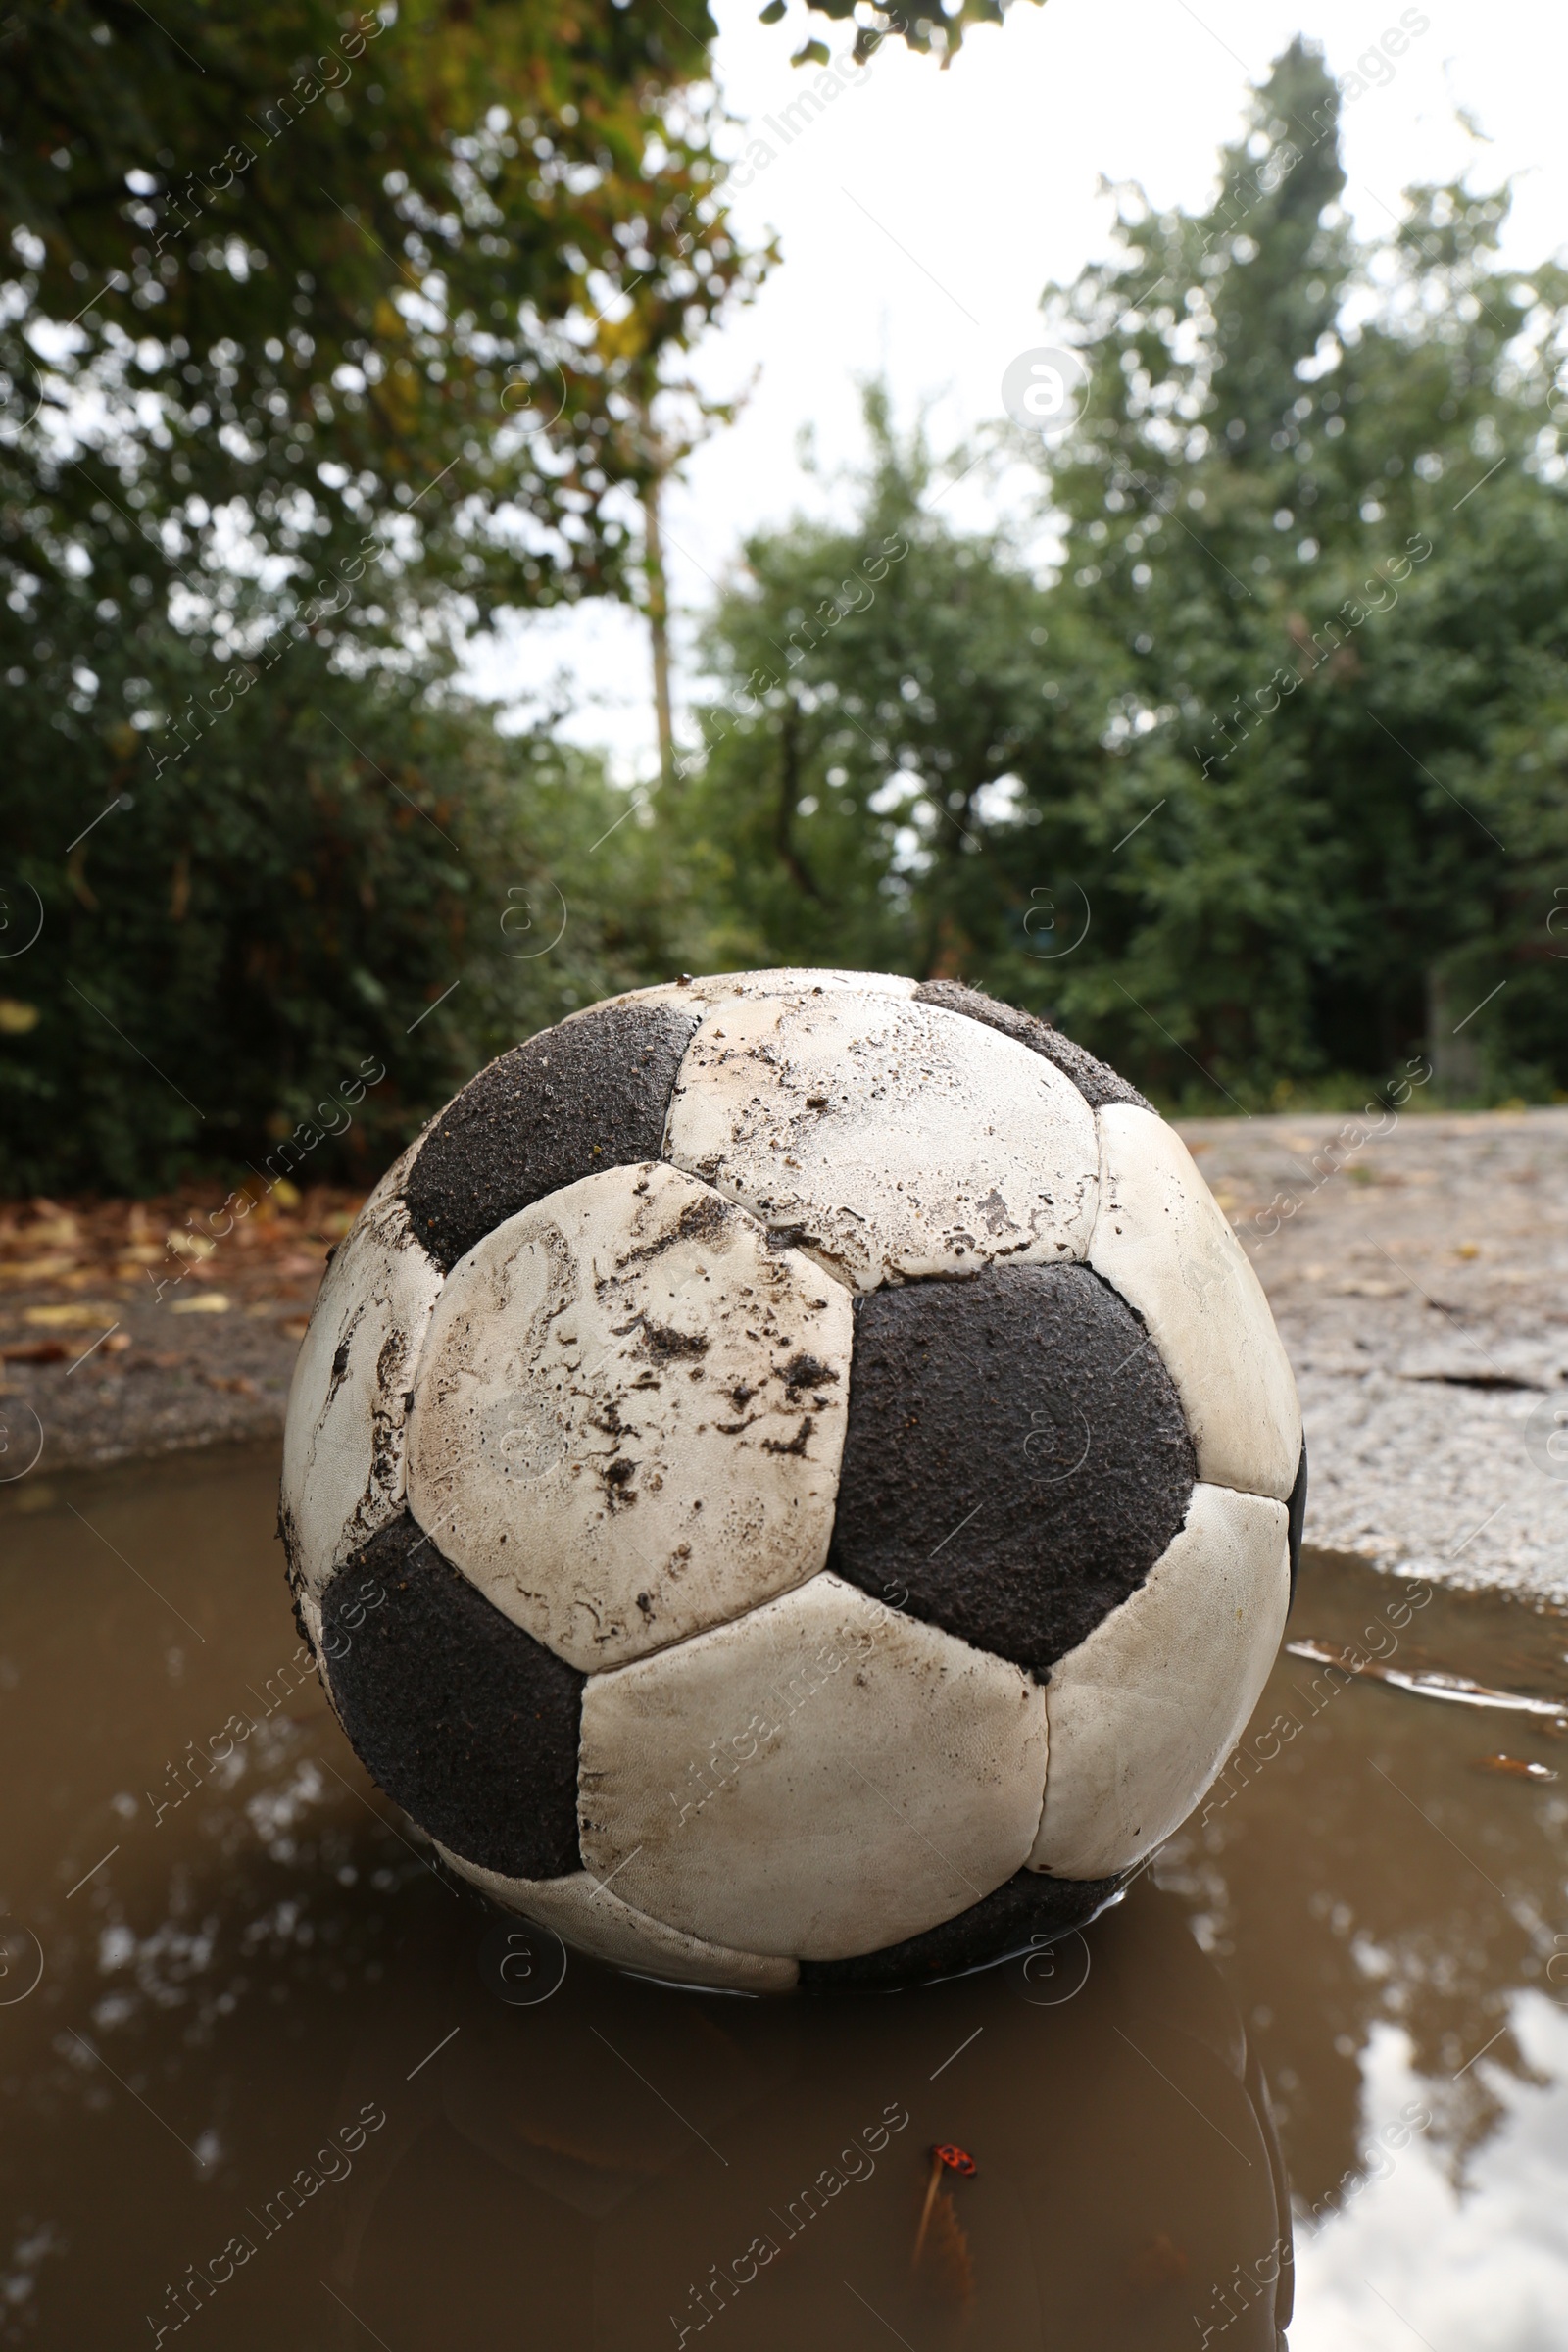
[[792, 1479]]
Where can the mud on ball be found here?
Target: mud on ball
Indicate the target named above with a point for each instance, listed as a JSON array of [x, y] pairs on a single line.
[[792, 1479]]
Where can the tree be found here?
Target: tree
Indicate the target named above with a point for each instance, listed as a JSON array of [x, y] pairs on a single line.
[[881, 688], [322, 334], [303, 300], [1263, 789], [1329, 612], [356, 878]]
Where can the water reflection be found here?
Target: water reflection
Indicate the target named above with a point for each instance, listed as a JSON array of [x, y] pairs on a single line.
[[1392, 1914], [663, 2167], [278, 2081], [1459, 2251]]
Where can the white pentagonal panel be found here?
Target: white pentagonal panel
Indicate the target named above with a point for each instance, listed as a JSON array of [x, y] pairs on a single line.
[[1144, 1712], [343, 1439], [582, 1911], [824, 1777], [630, 1413], [785, 980], [893, 1139], [1163, 1242]]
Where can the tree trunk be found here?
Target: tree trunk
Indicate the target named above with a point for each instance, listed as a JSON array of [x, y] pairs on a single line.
[[943, 957], [1454, 1050], [789, 792], [658, 626]]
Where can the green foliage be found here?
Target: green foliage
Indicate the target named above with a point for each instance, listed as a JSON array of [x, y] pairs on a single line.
[[932, 30], [327, 274], [1259, 791], [1286, 730], [342, 875], [881, 683], [1316, 516], [326, 333]]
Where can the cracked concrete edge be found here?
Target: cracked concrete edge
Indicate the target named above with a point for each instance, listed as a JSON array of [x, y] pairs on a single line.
[[1436, 1483]]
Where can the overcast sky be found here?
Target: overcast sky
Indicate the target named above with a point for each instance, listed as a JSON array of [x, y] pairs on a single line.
[[920, 214]]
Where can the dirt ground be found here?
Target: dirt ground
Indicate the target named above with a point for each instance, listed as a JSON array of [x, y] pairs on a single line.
[[137, 1328], [1417, 1266]]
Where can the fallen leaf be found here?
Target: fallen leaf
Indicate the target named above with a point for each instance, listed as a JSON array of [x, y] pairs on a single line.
[[35, 1351], [1520, 1768], [77, 1312], [947, 2156], [62, 1227], [235, 1382], [35, 1269], [204, 1302], [195, 1246], [294, 1327]]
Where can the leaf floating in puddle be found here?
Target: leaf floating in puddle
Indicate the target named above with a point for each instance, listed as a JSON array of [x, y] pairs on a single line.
[[947, 2264], [1455, 1687], [1520, 1767], [939, 2238]]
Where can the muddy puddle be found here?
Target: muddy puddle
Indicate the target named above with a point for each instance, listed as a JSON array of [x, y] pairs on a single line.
[[272, 2079]]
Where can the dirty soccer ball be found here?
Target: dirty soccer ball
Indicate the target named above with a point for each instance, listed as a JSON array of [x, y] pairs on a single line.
[[792, 1479]]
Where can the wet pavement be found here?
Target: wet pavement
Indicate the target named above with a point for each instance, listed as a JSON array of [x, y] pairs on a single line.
[[1417, 1266], [271, 2078]]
